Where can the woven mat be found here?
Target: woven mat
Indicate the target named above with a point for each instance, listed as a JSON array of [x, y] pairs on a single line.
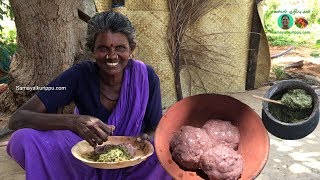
[[103, 5], [230, 25], [225, 30], [151, 27], [147, 5]]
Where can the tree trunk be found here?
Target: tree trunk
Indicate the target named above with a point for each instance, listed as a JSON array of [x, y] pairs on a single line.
[[49, 34]]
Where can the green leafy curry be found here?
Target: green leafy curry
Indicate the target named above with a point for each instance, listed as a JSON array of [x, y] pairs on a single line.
[[298, 106], [114, 153], [297, 99]]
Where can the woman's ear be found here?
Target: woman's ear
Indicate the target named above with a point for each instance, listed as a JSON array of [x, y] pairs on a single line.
[[132, 49]]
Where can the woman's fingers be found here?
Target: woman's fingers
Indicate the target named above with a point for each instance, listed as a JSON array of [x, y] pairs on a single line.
[[95, 137], [89, 134], [107, 128], [93, 130], [102, 130], [86, 137], [97, 131], [143, 137]]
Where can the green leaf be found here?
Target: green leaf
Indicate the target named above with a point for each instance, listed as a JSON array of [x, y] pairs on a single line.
[[315, 54], [1, 11]]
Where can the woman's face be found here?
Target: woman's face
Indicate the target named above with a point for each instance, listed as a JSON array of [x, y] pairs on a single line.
[[111, 51], [285, 21]]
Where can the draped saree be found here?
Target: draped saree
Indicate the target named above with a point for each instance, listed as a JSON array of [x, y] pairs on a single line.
[[47, 154]]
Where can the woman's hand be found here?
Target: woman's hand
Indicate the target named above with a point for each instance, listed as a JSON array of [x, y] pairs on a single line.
[[92, 129], [143, 137]]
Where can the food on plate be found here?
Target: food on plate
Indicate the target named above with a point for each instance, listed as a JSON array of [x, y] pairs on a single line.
[[211, 148], [188, 145], [111, 153]]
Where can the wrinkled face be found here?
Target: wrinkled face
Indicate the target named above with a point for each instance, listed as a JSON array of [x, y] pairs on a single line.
[[111, 51], [285, 21]]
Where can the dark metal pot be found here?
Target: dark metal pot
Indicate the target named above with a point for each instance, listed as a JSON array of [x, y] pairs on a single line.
[[284, 130]]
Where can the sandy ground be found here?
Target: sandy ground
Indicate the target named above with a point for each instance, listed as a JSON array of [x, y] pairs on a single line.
[[311, 65]]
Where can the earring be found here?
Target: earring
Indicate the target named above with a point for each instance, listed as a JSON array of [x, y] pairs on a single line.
[[130, 57], [107, 57]]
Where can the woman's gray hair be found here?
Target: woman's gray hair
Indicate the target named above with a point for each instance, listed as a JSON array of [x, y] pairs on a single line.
[[285, 16], [109, 20]]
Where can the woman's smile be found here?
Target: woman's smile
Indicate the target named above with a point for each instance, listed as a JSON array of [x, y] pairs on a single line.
[[112, 64]]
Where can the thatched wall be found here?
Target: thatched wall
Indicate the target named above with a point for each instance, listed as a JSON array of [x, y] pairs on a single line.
[[229, 26]]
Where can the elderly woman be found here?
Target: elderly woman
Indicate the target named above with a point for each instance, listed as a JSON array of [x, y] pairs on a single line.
[[114, 91]]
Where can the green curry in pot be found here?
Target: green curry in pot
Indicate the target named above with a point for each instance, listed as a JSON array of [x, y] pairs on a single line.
[[298, 106]]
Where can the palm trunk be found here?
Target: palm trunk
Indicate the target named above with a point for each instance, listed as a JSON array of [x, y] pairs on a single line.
[[49, 33]]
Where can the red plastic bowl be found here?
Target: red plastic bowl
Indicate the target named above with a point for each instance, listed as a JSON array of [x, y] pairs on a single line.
[[195, 111]]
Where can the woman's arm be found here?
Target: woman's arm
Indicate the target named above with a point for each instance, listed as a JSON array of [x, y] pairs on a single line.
[[33, 115], [39, 112]]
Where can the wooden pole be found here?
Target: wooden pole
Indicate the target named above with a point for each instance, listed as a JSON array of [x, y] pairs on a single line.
[[256, 27]]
